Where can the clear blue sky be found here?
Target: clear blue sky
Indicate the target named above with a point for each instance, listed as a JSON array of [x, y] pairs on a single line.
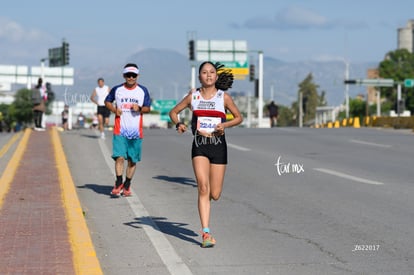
[[109, 31]]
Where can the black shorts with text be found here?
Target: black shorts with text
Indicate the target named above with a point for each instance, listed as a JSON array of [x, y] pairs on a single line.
[[214, 148]]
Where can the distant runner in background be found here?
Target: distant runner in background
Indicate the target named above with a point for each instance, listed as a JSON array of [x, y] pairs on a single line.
[[98, 97], [273, 113], [65, 118]]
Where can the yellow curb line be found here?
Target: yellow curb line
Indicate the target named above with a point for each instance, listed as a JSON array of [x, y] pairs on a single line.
[[7, 146], [11, 168], [84, 255], [10, 171]]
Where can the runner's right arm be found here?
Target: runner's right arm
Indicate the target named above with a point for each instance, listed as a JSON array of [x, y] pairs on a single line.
[[184, 103], [93, 95]]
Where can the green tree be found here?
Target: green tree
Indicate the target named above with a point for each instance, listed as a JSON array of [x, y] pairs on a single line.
[[21, 109], [398, 65], [357, 108], [310, 97], [5, 120], [286, 117]]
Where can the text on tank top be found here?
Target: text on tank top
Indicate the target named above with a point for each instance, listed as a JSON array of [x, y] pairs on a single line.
[[207, 113]]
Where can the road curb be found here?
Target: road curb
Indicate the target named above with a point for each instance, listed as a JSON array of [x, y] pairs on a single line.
[[9, 172], [84, 255]]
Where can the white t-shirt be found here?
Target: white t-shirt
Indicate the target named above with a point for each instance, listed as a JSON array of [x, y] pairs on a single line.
[[130, 123]]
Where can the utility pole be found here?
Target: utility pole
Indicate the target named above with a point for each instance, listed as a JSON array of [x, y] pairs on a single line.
[[249, 111], [378, 103], [346, 88], [260, 88], [272, 92], [193, 76], [42, 68], [300, 110], [398, 99]]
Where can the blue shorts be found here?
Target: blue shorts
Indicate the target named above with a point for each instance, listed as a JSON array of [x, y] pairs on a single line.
[[126, 148]]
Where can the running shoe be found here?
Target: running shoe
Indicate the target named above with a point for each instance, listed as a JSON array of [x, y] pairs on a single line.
[[208, 240], [127, 192], [116, 191]]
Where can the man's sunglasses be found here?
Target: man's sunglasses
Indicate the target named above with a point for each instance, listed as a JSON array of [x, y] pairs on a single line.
[[130, 75]]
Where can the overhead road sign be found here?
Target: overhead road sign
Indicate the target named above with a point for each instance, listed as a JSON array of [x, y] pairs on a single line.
[[14, 74], [409, 83], [164, 107], [231, 53], [376, 82], [55, 75]]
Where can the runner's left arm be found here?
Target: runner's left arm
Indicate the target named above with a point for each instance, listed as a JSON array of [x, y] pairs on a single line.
[[229, 105], [146, 105]]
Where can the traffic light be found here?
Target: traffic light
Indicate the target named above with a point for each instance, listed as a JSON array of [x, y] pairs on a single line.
[[65, 53], [251, 72], [191, 49], [350, 81]]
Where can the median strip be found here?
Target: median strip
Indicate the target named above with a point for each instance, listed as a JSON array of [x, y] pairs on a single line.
[[84, 255]]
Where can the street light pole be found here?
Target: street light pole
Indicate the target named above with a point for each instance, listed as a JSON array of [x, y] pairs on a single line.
[[42, 68], [346, 88], [193, 76], [398, 99], [300, 110]]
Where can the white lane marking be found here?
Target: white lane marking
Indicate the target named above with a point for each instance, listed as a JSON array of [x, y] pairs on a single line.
[[165, 250], [370, 143], [346, 176], [237, 147]]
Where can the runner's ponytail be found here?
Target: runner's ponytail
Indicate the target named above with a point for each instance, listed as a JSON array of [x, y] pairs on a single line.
[[225, 77]]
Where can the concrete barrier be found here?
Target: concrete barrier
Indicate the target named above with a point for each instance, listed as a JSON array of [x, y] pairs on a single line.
[[356, 123], [350, 122]]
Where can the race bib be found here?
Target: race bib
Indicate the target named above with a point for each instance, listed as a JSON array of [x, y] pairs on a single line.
[[207, 124]]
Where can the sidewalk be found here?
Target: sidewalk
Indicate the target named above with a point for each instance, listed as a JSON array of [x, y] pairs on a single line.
[[41, 230]]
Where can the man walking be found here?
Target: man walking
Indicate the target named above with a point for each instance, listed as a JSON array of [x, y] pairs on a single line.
[[98, 97], [273, 113], [132, 101]]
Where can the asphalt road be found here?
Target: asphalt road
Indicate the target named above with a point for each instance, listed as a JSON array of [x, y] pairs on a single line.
[[8, 143], [295, 201]]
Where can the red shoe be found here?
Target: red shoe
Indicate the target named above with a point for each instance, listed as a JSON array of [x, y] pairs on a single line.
[[208, 240], [116, 191], [127, 192]]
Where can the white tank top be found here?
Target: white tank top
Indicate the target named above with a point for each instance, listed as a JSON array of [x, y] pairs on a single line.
[[101, 94], [207, 113]]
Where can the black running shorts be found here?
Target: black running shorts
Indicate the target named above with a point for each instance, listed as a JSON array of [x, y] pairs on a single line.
[[103, 111], [213, 148]]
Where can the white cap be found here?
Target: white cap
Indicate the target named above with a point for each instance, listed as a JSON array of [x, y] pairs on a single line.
[[130, 70]]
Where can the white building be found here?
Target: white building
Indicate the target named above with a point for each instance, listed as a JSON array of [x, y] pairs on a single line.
[[405, 37]]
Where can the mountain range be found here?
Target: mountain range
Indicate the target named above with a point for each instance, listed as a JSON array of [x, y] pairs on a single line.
[[167, 75]]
